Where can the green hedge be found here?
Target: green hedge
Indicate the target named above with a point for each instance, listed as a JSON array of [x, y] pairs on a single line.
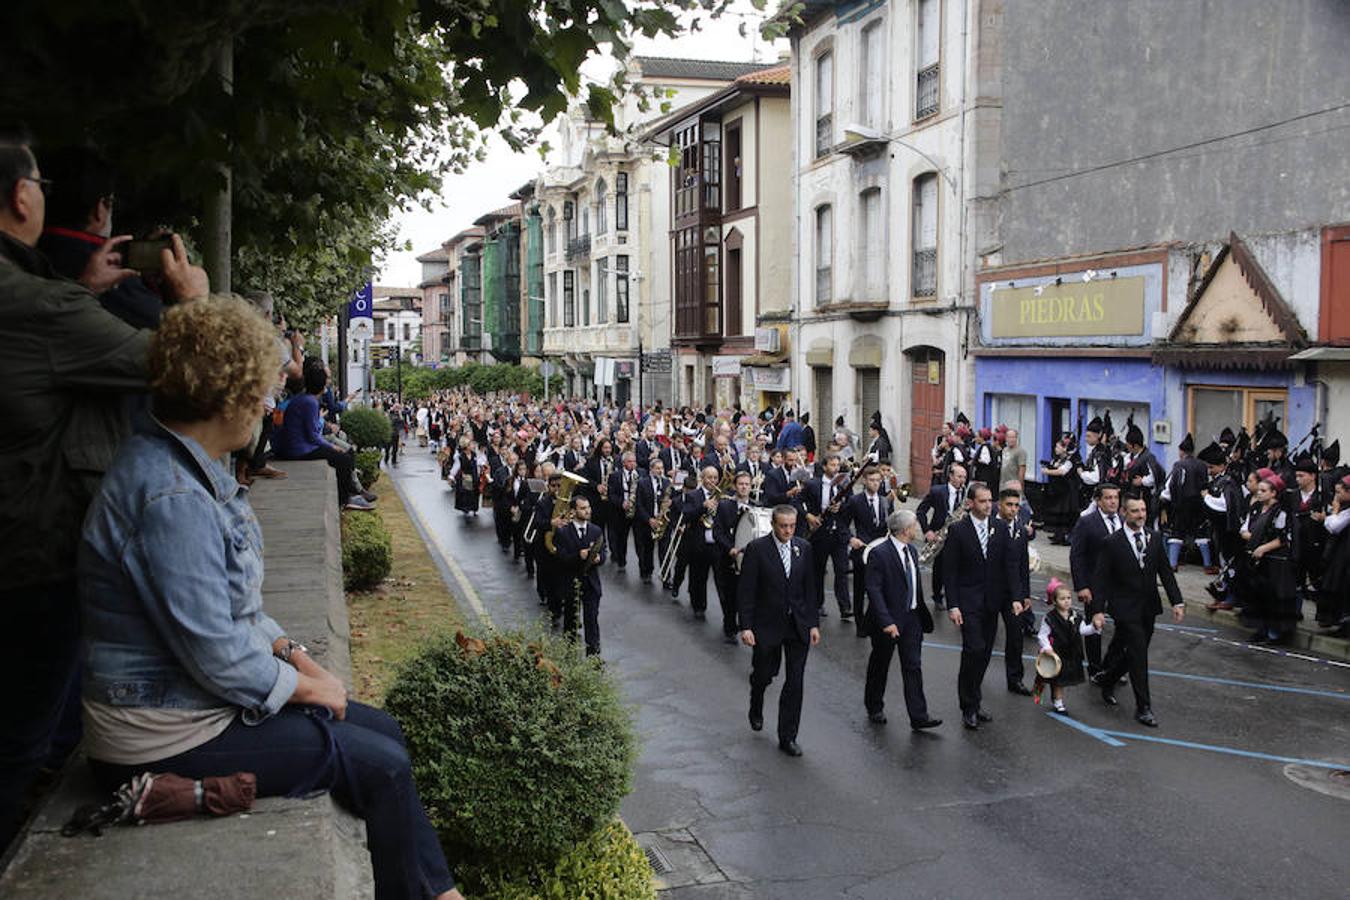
[[608, 865], [367, 428], [367, 553], [420, 382], [368, 466], [521, 747]]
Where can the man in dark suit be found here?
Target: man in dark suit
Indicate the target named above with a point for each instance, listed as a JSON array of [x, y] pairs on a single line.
[[779, 620], [1009, 518], [644, 450], [676, 457], [897, 619], [1085, 544], [938, 505], [580, 555], [700, 542], [725, 577], [865, 512], [501, 485], [824, 501], [622, 491], [981, 578], [547, 573], [777, 488], [1130, 564], [647, 499]]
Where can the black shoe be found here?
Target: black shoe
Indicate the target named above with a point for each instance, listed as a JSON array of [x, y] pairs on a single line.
[[983, 716], [845, 615], [756, 721], [621, 567], [862, 632], [700, 615], [1109, 695], [970, 720], [1145, 717], [821, 612], [729, 639], [921, 724], [877, 718], [791, 748], [1017, 687], [1258, 636]]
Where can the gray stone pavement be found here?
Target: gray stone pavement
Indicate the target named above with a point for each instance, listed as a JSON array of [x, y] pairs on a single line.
[[1246, 800]]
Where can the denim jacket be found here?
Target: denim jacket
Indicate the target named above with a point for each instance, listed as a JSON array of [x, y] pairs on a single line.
[[170, 575]]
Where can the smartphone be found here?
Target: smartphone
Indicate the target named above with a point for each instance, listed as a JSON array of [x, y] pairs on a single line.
[[143, 256]]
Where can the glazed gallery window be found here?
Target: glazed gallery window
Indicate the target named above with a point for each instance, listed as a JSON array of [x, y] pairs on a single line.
[[569, 299], [824, 103], [824, 254], [601, 219], [602, 291], [621, 289], [552, 299], [621, 201]]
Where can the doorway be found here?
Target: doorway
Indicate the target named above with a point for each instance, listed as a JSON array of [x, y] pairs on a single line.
[[927, 398]]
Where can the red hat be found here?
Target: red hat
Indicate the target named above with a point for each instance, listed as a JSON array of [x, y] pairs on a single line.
[[1051, 589], [1001, 429], [963, 430], [953, 440], [1346, 481], [1265, 474], [985, 434], [1276, 483]]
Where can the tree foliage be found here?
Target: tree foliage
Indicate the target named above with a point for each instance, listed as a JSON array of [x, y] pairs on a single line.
[[339, 114]]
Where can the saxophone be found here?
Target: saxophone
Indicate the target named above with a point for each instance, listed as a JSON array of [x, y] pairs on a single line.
[[662, 512], [933, 548]]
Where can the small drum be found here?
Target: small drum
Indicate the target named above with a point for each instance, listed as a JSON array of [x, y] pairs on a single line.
[[1047, 665], [755, 523]]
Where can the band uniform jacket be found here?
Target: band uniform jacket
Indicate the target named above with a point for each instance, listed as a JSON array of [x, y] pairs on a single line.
[[934, 508], [1085, 547], [616, 493], [813, 502], [857, 511], [770, 601], [888, 589], [570, 545], [975, 581], [648, 498], [1126, 590], [727, 517]]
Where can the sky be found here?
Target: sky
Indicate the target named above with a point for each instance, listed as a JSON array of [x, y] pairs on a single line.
[[485, 186]]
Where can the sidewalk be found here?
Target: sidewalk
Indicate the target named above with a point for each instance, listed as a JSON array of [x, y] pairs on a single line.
[[1192, 581]]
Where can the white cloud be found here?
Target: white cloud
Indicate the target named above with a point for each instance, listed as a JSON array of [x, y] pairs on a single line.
[[485, 186]]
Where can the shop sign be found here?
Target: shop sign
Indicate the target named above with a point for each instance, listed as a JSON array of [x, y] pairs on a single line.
[[1101, 307], [726, 366], [777, 379]]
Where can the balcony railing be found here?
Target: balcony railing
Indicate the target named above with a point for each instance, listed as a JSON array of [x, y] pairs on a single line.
[[824, 134], [579, 247], [927, 94], [925, 273]]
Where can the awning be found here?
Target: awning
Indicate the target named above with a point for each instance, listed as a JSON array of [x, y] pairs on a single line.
[[764, 359], [1236, 357], [1323, 354]]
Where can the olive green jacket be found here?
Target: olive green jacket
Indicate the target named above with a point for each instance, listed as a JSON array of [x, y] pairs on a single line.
[[66, 365]]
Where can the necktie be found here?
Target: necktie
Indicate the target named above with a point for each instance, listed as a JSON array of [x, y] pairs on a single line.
[[1111, 525], [908, 566], [982, 529], [1139, 547], [876, 512], [785, 554]]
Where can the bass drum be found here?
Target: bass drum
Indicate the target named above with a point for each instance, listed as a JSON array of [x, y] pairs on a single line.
[[755, 523]]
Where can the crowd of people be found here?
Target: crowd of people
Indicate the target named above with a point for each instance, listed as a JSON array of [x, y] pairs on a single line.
[[703, 495], [133, 559]]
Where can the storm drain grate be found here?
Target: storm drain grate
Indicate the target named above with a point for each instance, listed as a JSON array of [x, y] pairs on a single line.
[[657, 860]]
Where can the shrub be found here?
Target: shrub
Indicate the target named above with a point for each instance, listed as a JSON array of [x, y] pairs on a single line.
[[368, 466], [367, 553], [521, 748], [608, 865], [367, 427]]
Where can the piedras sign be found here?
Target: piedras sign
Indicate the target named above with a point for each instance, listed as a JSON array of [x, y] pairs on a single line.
[[1102, 307]]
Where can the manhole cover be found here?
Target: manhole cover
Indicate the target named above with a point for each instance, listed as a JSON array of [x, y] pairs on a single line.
[[1332, 782], [657, 860]]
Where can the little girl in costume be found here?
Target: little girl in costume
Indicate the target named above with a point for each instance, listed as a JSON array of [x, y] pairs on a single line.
[[1061, 633]]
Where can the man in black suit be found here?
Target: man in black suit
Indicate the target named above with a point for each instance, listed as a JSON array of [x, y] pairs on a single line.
[[866, 513], [622, 491], [501, 485], [758, 469], [824, 501], [897, 619], [1009, 509], [645, 449], [581, 552], [777, 488], [1085, 545], [676, 457], [1130, 564], [938, 505], [547, 573], [647, 500], [981, 578], [700, 543], [725, 576], [779, 620]]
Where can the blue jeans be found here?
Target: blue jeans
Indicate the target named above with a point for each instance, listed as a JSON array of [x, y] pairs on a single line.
[[362, 760]]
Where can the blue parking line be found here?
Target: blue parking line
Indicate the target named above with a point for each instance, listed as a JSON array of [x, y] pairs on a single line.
[[1197, 628], [1110, 737], [1099, 734], [1212, 679]]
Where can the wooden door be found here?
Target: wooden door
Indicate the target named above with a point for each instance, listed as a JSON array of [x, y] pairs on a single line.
[[927, 400]]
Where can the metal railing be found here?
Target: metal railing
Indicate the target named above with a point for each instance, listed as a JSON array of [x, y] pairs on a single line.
[[928, 91], [579, 247], [824, 134], [925, 273]]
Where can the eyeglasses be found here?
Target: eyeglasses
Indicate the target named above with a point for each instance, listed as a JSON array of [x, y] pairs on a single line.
[[44, 184]]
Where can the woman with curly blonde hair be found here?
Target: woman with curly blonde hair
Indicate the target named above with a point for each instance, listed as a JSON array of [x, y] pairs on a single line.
[[183, 671]]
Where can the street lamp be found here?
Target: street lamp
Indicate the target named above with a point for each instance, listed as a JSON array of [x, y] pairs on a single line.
[[859, 137]]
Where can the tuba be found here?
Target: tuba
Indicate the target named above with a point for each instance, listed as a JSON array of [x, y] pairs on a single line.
[[570, 482]]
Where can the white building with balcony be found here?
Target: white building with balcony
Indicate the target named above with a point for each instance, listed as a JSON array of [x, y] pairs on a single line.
[[397, 319], [604, 201], [891, 102]]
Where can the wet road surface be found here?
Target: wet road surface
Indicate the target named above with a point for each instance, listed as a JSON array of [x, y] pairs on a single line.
[[1028, 806]]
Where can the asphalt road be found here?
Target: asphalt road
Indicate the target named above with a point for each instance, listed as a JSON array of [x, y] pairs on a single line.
[[1247, 801]]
